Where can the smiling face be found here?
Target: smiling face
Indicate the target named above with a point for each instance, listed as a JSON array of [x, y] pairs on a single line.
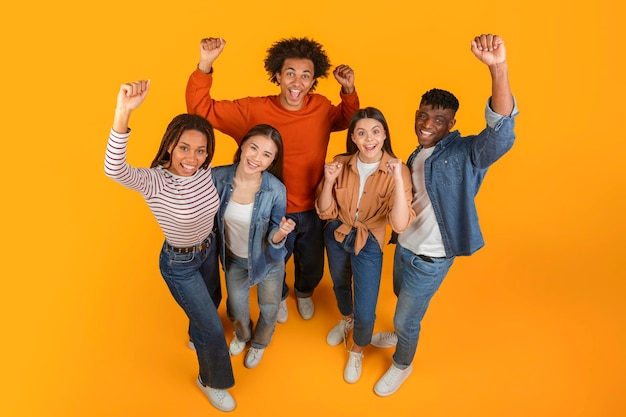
[[189, 153], [296, 79], [369, 136], [433, 123], [257, 154]]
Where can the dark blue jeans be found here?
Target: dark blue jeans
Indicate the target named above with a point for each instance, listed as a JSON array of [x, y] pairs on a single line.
[[361, 271], [306, 243], [210, 271], [183, 274]]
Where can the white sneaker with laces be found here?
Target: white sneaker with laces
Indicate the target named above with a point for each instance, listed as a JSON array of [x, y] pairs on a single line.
[[253, 357], [392, 380], [305, 307], [283, 313], [219, 398], [384, 339], [339, 333], [352, 373], [236, 346]]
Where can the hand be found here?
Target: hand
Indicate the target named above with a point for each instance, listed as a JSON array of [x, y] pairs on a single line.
[[394, 166], [489, 49], [131, 95], [345, 76], [287, 226], [210, 49], [331, 171]]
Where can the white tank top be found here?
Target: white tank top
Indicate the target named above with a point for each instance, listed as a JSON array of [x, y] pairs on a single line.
[[237, 219]]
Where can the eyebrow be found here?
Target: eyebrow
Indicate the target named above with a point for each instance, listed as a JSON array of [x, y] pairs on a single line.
[[293, 69]]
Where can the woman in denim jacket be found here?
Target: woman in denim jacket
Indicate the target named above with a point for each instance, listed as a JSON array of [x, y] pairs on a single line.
[[252, 230]]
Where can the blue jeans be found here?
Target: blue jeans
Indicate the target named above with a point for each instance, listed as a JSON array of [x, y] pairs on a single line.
[[306, 243], [415, 281], [366, 268], [183, 275], [238, 301], [210, 271]]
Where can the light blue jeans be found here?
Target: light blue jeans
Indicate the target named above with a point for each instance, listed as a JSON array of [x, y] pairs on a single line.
[[415, 281], [238, 301], [365, 268], [183, 274]]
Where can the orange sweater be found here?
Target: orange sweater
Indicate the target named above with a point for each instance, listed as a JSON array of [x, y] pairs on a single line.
[[305, 132]]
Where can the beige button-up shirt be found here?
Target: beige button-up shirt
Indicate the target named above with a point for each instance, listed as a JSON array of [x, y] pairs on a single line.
[[375, 204]]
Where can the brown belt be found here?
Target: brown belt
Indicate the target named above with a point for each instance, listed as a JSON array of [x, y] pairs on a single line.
[[197, 248]]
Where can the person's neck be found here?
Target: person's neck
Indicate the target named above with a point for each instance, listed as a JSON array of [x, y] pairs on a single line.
[[243, 178]]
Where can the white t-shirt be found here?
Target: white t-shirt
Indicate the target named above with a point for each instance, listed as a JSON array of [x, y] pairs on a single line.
[[365, 170], [423, 236]]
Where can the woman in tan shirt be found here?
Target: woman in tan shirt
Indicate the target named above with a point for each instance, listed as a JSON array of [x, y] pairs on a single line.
[[362, 191]]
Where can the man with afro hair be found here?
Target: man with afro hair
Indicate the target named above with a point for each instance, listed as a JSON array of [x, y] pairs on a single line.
[[304, 120]]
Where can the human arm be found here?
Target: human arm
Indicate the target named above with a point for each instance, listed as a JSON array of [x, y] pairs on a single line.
[[325, 196], [490, 50], [129, 98], [401, 212]]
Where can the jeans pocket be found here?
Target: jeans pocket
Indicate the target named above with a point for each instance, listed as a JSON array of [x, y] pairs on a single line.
[[181, 258], [424, 267]]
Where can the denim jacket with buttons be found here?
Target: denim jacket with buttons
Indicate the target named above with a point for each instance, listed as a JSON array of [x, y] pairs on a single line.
[[454, 173], [270, 205]]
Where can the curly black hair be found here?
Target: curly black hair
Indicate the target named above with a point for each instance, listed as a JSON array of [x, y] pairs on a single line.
[[440, 98], [300, 48]]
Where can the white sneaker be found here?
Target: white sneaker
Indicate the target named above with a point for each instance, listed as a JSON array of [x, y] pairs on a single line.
[[352, 373], [384, 339], [190, 345], [392, 380], [283, 313], [305, 307], [219, 398], [253, 357], [236, 346], [339, 333]]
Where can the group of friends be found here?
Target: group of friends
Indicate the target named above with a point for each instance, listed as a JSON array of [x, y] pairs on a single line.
[[280, 199]]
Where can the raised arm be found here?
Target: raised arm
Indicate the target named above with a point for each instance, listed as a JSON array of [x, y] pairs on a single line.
[[325, 197], [130, 96], [490, 50], [402, 212]]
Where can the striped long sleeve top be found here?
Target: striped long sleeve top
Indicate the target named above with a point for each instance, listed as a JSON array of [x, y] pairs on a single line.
[[184, 207]]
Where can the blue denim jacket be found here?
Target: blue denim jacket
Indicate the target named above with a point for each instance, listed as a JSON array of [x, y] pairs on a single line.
[[453, 174], [270, 205]]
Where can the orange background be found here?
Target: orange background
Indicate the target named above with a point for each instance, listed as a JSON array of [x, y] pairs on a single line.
[[533, 324]]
